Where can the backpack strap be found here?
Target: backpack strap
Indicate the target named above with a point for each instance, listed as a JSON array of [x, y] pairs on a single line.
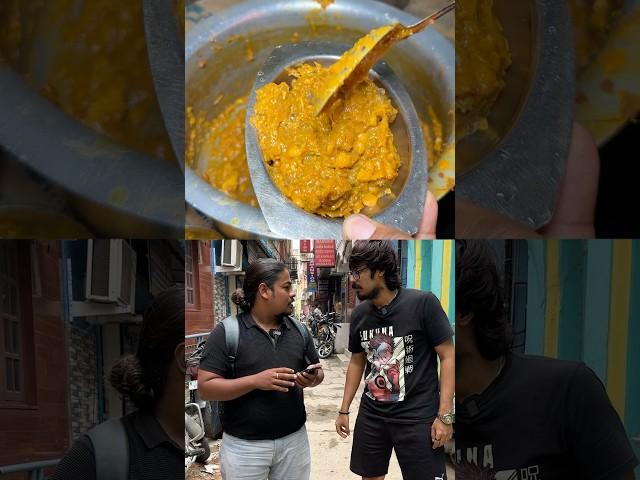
[[306, 337], [232, 338], [111, 450]]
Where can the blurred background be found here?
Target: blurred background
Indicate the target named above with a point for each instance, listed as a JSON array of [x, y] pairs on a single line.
[[61, 330], [84, 150]]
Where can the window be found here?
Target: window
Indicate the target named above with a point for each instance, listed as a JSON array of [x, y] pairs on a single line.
[[15, 319], [191, 275]]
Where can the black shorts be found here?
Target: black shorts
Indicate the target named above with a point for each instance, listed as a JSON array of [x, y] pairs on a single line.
[[374, 439]]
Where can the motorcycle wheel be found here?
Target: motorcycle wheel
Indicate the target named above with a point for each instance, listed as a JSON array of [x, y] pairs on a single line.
[[325, 349], [204, 456]]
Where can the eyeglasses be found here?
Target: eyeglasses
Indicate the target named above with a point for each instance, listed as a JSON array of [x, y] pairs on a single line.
[[356, 274]]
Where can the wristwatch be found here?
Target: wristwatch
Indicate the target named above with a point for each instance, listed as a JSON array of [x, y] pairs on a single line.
[[446, 418]]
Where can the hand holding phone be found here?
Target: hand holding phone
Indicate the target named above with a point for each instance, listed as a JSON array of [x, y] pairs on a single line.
[[309, 370], [308, 377]]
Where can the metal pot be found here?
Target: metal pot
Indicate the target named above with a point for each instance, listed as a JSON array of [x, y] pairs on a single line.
[[424, 64]]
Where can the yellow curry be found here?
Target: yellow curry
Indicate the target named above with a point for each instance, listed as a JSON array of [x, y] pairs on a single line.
[[592, 21], [333, 164], [482, 58], [221, 142], [338, 163]]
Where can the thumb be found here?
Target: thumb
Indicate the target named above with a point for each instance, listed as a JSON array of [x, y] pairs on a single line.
[[427, 229], [361, 227], [576, 204]]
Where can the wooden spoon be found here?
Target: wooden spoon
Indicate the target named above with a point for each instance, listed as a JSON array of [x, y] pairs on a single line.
[[354, 65]]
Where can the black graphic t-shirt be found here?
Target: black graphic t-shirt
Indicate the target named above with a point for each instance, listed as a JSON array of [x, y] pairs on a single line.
[[401, 376], [541, 419]]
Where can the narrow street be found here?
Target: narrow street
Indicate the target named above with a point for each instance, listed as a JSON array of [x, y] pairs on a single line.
[[329, 453]]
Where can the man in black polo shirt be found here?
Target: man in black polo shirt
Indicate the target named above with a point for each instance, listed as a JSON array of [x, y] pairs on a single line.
[[396, 337], [264, 415], [523, 417], [150, 445]]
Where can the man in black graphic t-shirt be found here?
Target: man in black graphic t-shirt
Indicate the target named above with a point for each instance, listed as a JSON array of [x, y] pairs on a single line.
[[522, 417], [396, 338]]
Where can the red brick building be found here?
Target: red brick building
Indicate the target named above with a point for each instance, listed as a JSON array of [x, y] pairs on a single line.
[[198, 287], [34, 415]]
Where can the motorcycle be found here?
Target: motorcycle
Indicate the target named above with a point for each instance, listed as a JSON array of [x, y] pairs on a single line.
[[316, 321], [196, 445], [327, 329]]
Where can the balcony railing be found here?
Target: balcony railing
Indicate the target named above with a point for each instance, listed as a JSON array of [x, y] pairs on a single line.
[[34, 469]]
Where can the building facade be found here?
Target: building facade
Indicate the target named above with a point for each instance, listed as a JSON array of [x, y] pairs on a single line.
[[199, 298]]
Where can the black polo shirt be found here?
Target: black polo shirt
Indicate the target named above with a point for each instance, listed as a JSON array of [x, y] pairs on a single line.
[[153, 456], [260, 414]]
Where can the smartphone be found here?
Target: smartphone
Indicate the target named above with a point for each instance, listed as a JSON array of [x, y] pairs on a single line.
[[311, 370]]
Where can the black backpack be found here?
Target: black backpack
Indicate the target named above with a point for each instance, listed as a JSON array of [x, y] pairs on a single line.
[[110, 450], [232, 338]]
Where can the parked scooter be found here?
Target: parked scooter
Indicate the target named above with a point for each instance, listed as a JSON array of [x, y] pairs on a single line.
[[196, 445], [212, 425]]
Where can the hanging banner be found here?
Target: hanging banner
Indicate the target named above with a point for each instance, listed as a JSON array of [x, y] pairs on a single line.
[[324, 253], [311, 275], [305, 246]]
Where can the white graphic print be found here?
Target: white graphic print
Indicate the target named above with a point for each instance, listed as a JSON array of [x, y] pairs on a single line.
[[477, 463], [390, 362]]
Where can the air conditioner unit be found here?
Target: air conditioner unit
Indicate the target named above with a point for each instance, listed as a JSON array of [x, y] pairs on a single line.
[[111, 272], [230, 257]]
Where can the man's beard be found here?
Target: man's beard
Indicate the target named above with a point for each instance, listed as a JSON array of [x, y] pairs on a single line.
[[287, 312], [368, 296]]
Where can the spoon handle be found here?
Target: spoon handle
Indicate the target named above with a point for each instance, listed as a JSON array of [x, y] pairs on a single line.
[[425, 22]]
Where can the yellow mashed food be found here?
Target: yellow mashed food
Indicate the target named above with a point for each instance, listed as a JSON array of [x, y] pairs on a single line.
[[333, 164], [482, 58], [325, 3], [221, 143], [592, 21]]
